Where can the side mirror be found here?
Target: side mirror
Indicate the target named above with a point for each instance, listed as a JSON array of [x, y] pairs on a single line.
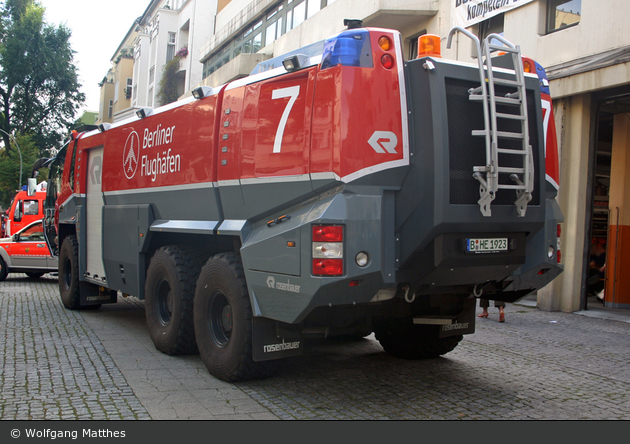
[[31, 186], [15, 237]]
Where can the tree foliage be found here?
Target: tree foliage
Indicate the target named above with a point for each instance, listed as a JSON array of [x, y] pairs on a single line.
[[39, 87], [167, 89], [10, 180]]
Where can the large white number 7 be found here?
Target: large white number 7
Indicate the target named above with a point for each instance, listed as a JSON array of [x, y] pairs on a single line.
[[283, 93]]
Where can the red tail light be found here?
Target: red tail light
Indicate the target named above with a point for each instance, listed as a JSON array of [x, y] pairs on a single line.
[[327, 250], [558, 254], [328, 267], [387, 61], [327, 233]]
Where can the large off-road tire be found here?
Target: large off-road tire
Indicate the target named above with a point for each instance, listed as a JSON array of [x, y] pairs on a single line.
[[223, 321], [4, 271], [404, 339], [69, 273], [169, 295]]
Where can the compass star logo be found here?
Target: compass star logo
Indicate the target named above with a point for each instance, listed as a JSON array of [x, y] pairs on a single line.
[[131, 153]]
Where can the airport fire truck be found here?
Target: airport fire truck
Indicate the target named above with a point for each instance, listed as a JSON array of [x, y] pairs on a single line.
[[339, 190]]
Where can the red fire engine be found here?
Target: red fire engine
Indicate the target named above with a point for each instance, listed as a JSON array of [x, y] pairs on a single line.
[[338, 190]]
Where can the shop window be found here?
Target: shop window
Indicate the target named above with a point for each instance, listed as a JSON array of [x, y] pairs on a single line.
[[563, 14], [493, 25]]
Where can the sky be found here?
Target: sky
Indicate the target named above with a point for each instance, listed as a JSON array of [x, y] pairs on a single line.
[[97, 27]]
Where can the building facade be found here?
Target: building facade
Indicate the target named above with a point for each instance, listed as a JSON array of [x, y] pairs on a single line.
[[158, 45]]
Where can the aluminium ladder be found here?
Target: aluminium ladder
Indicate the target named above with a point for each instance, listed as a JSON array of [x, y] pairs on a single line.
[[488, 175]]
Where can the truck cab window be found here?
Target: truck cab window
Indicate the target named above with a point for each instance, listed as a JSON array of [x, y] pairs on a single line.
[[18, 212], [31, 208]]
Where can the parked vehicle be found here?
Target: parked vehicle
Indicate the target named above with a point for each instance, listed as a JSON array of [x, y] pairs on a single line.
[[23, 210], [27, 252], [331, 193]]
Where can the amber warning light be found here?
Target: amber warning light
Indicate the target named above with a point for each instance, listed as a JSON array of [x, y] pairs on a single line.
[[429, 46]]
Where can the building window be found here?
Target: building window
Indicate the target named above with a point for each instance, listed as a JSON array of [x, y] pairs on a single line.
[[129, 88], [170, 47], [562, 14], [151, 74], [274, 24], [110, 110], [494, 25]]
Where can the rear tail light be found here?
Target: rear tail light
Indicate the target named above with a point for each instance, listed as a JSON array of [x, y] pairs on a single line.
[[327, 251], [558, 254], [387, 61]]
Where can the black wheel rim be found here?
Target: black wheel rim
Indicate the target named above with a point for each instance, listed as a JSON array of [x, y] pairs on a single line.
[[220, 319], [164, 302], [67, 273]]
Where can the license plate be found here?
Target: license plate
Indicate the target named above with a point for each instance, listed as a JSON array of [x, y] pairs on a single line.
[[486, 245]]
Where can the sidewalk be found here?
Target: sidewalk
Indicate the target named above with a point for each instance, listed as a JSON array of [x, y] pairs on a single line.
[[594, 309]]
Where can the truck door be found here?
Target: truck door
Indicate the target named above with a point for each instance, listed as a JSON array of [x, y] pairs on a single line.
[[94, 214], [30, 250]]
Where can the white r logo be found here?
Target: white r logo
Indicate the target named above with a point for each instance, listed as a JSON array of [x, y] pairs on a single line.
[[271, 282], [383, 141]]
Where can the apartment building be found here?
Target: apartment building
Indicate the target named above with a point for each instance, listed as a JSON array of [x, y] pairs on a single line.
[[167, 35], [117, 83], [584, 46]]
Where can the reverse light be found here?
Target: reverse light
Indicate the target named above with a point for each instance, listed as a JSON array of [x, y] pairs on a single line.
[[429, 46], [329, 249]]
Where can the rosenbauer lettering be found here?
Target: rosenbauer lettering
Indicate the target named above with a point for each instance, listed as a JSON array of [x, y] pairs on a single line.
[[164, 162]]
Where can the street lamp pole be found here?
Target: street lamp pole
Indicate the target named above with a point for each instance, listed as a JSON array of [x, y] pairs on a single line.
[[19, 152]]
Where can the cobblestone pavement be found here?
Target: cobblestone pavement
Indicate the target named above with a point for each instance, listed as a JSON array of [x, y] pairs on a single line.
[[101, 364]]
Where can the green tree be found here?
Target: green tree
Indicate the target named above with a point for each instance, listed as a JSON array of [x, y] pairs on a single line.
[[10, 168], [39, 88]]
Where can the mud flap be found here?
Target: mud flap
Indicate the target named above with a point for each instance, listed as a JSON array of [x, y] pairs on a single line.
[[91, 294], [464, 324], [267, 344]]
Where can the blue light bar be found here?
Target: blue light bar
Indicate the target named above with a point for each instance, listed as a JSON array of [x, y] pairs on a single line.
[[542, 77], [349, 48]]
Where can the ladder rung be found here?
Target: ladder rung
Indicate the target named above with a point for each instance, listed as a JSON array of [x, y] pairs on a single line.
[[506, 100], [507, 82], [510, 116], [511, 187], [479, 132], [508, 151], [507, 135], [504, 48], [511, 170]]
